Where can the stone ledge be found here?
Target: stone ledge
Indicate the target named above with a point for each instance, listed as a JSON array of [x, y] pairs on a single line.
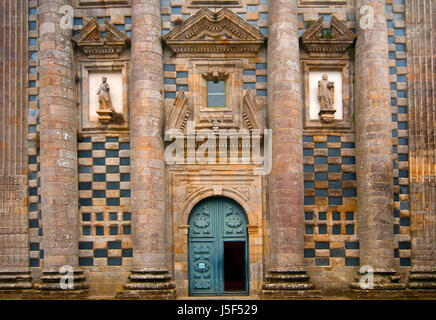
[[55, 294], [291, 295], [165, 294]]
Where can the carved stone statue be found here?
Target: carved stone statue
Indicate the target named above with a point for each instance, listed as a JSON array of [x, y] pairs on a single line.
[[104, 99], [326, 97], [106, 111], [326, 92]]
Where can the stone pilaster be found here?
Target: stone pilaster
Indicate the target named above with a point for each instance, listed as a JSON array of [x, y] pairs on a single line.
[[421, 49], [374, 167], [150, 276], [58, 150], [14, 247], [286, 276]]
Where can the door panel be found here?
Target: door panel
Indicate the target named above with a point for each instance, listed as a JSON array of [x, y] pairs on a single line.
[[213, 223]]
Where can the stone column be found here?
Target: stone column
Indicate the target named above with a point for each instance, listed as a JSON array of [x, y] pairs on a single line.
[[374, 167], [421, 54], [58, 149], [150, 276], [14, 233], [286, 275]]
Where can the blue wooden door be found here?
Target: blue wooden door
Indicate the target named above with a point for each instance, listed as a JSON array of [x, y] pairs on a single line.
[[218, 238]]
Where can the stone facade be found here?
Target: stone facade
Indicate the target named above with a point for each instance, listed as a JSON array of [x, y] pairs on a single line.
[[98, 202]]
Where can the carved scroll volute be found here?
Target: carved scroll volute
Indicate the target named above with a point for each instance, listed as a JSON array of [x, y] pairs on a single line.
[[179, 113], [251, 113]]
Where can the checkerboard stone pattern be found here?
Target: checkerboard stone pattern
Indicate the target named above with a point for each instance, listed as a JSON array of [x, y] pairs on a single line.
[[394, 10], [104, 201], [36, 253], [330, 200]]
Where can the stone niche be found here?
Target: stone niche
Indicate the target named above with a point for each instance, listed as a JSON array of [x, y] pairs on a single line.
[[327, 76], [103, 106], [91, 118]]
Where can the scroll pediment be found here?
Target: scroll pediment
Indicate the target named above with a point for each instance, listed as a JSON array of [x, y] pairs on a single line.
[[179, 113], [207, 33], [251, 113], [90, 41], [332, 41]]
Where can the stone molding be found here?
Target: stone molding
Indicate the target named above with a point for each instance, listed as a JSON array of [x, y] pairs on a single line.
[[102, 3], [89, 40], [207, 33], [334, 43]]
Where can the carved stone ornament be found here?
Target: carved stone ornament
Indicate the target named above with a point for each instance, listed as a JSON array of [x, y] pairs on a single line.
[[326, 97], [89, 40], [334, 41], [223, 32], [251, 113], [179, 113]]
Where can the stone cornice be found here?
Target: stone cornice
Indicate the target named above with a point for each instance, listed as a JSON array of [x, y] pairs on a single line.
[[93, 45], [332, 42], [207, 33]]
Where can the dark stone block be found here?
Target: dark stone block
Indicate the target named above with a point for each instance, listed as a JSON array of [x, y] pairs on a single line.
[[99, 161], [114, 245], [86, 245], [322, 245], [86, 262], [334, 139], [127, 253], [85, 185], [309, 253], [98, 146], [113, 201], [352, 245]]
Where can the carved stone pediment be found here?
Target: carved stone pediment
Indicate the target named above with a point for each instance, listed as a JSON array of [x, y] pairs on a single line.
[[207, 33], [251, 113], [334, 41], [89, 40], [179, 113]]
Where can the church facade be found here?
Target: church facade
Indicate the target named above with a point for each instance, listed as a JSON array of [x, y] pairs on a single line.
[[264, 148]]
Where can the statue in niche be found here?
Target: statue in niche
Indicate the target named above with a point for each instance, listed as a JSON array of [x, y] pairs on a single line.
[[106, 111], [326, 97], [104, 98]]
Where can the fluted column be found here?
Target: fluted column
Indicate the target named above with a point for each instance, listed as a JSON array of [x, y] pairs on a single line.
[[421, 54], [374, 167], [14, 233], [286, 274], [58, 148], [150, 276]]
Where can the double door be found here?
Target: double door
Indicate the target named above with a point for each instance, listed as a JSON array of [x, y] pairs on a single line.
[[218, 248]]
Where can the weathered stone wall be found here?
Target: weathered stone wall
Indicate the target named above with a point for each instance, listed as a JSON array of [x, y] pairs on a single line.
[[331, 244], [14, 247]]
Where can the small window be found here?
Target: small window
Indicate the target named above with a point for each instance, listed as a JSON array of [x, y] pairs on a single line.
[[216, 93]]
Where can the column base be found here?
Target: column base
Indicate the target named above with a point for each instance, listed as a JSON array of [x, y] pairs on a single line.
[[289, 285], [422, 280], [52, 287], [148, 285], [385, 285]]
